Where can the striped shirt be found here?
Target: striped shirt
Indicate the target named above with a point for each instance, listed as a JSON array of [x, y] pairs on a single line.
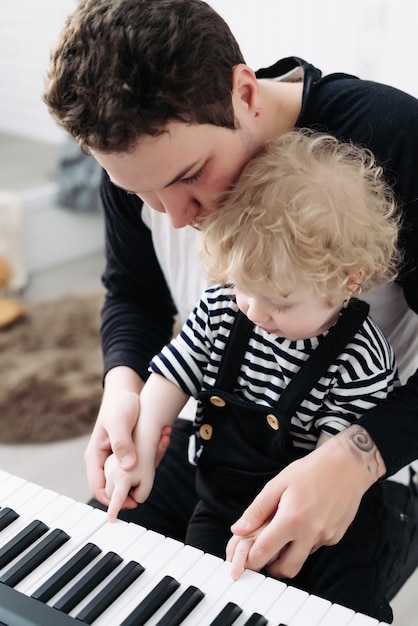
[[362, 375]]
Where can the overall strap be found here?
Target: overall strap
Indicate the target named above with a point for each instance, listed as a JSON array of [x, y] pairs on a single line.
[[323, 356], [234, 351]]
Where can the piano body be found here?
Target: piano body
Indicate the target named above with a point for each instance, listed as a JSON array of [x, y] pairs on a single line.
[[63, 564]]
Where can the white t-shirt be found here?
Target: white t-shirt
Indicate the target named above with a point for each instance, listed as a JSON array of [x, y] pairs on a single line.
[[177, 254]]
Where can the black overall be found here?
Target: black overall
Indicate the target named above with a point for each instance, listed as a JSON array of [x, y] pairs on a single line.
[[245, 445]]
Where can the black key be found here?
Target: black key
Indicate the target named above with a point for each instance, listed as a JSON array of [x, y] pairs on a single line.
[[182, 607], [67, 572], [7, 516], [110, 592], [16, 609], [88, 582], [256, 620], [21, 541], [228, 615], [152, 602], [39, 553]]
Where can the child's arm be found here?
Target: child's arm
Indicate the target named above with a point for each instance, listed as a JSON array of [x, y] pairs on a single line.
[[160, 403], [323, 437]]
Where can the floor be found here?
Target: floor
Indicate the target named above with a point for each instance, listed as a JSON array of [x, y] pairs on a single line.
[[26, 166], [60, 466]]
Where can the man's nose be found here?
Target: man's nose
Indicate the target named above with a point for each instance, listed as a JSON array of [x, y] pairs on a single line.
[[181, 208]]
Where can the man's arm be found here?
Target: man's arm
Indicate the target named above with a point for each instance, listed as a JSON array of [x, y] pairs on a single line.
[[393, 426], [137, 317], [137, 320], [311, 502]]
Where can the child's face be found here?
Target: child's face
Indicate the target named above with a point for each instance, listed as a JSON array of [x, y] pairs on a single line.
[[300, 315]]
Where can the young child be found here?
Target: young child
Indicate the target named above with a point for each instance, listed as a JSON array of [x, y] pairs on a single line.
[[309, 224]]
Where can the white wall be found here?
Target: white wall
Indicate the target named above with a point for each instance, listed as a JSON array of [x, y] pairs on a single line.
[[28, 30], [375, 39]]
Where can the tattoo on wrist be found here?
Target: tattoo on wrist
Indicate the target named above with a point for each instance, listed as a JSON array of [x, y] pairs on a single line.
[[364, 444], [361, 438]]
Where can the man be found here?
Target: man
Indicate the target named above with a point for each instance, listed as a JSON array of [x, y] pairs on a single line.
[[160, 95]]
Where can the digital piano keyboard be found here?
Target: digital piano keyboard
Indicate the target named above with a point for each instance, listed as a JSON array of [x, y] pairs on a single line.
[[63, 564]]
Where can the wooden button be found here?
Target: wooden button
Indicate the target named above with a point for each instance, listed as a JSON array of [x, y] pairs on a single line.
[[217, 401], [272, 421], [205, 431]]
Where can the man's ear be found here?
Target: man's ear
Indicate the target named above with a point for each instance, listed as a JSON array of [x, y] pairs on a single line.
[[245, 90]]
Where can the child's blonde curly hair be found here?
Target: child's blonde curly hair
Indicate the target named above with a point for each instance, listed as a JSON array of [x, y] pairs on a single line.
[[308, 208]]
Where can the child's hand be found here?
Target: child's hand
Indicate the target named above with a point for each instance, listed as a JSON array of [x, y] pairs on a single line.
[[117, 487], [238, 549], [125, 489]]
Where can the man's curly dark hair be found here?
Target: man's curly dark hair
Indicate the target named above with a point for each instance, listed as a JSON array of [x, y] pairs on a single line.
[[125, 68]]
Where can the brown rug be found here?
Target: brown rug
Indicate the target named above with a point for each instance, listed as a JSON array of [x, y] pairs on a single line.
[[50, 371]]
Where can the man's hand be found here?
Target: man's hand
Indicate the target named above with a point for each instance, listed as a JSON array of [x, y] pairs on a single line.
[[113, 432], [309, 504]]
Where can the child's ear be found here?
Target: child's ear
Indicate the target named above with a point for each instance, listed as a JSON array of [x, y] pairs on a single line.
[[354, 283]]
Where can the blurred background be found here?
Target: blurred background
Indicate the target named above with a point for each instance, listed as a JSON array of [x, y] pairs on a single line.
[[58, 248]]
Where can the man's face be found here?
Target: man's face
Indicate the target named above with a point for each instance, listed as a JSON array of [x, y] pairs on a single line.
[[183, 171]]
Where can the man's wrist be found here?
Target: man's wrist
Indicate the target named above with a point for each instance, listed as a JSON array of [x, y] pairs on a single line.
[[364, 452], [123, 378]]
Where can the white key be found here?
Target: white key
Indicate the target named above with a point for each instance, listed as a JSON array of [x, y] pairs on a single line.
[[237, 591], [80, 525], [114, 537], [192, 570], [197, 575], [164, 560], [23, 495], [76, 514], [338, 615], [4, 475], [84, 532], [49, 507], [290, 601], [126, 535], [32, 508], [103, 539], [9, 487], [311, 612], [363, 620], [264, 598], [214, 587], [185, 560], [16, 500], [59, 506]]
